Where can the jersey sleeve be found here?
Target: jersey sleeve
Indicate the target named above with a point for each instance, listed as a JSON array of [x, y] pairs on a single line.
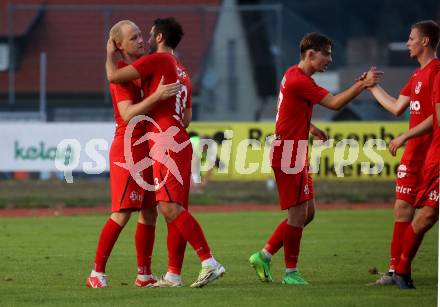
[[122, 91], [436, 90], [145, 65], [406, 90], [309, 90]]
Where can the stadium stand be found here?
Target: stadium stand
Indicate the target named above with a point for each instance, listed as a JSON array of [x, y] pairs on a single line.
[[73, 37]]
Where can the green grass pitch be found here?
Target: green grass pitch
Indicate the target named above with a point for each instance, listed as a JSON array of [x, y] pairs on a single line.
[[45, 261]]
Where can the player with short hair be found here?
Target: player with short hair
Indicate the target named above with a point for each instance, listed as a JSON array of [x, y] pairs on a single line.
[[172, 191], [422, 44], [428, 194], [298, 95], [127, 196]]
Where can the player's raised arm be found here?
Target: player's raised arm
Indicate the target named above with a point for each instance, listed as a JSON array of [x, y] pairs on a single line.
[[114, 74], [128, 110], [336, 102], [391, 104]]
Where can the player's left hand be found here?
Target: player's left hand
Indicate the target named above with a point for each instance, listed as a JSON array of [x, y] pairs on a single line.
[[395, 144], [372, 77], [111, 47], [165, 91]]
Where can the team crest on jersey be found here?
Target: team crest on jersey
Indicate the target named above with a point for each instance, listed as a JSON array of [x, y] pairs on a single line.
[[401, 171], [418, 87], [181, 73], [306, 189], [135, 196]]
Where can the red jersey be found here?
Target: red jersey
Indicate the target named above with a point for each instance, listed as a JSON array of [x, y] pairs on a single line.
[[168, 112], [433, 155], [123, 92], [419, 89], [298, 94]]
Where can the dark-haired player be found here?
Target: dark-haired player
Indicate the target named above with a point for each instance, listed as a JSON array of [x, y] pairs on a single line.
[[298, 95], [127, 196], [172, 191]]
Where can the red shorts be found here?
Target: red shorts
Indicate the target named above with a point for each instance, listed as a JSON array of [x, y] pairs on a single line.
[[293, 189], [173, 174], [125, 192], [409, 179], [428, 194]]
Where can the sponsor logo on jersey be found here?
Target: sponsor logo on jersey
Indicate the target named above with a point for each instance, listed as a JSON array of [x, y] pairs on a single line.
[[181, 73], [415, 106], [418, 87], [402, 189], [401, 171]]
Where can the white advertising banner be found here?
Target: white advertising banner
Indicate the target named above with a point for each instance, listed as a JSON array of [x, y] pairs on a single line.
[[33, 146]]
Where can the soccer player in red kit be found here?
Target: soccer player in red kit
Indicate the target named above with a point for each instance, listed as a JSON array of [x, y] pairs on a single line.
[[298, 94], [417, 94], [170, 118], [428, 193], [127, 196]]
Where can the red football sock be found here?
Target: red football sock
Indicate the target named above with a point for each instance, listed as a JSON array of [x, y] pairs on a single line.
[[275, 242], [292, 241], [176, 249], [397, 243], [144, 240], [191, 231], [109, 235], [411, 243]]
